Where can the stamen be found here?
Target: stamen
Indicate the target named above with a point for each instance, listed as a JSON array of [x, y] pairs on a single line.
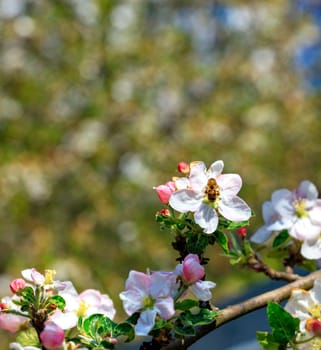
[[299, 206], [212, 190]]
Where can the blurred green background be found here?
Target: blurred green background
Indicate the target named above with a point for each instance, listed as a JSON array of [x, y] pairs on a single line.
[[99, 101]]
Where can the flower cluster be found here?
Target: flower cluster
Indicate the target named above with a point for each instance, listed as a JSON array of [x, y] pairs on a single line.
[[298, 212], [306, 306], [207, 193], [49, 308], [154, 294]]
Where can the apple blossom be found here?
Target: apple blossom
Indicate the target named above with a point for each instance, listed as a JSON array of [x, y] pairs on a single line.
[[306, 305], [149, 294], [84, 304], [299, 212], [192, 272], [209, 193], [52, 336]]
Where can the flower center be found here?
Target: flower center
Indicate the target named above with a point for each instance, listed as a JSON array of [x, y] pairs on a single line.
[[49, 276], [83, 307], [315, 311], [148, 302], [212, 190], [299, 206]]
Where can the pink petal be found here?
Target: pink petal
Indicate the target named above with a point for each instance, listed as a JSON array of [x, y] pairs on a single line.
[[303, 229], [138, 280], [234, 208], [193, 271], [162, 284], [132, 301], [229, 183], [65, 320], [207, 218], [185, 200]]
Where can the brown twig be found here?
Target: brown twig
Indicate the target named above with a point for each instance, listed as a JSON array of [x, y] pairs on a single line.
[[255, 263], [235, 311]]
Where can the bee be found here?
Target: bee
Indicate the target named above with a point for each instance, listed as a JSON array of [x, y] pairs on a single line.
[[212, 190]]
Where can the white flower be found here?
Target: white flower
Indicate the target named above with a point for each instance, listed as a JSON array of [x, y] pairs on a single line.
[[210, 192], [306, 305], [299, 212]]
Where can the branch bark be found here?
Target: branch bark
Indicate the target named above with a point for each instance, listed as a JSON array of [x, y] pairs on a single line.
[[235, 311]]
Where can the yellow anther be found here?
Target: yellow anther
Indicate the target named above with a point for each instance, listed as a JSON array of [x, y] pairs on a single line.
[[299, 206], [49, 276], [83, 307]]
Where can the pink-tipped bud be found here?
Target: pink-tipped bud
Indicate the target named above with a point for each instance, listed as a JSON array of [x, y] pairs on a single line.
[[52, 336], [192, 270], [17, 284], [113, 341], [242, 232], [313, 326], [164, 192], [183, 168], [163, 212]]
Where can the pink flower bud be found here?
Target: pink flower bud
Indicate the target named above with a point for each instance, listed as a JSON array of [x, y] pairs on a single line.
[[313, 326], [163, 212], [192, 270], [242, 232], [164, 192], [52, 336], [17, 284], [183, 168]]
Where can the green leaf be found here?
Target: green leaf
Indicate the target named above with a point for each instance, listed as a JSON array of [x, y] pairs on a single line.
[[98, 324], [222, 240], [184, 330], [267, 341], [280, 238], [284, 326], [133, 318], [186, 304], [28, 337], [28, 294], [58, 301], [232, 225], [203, 317], [124, 329]]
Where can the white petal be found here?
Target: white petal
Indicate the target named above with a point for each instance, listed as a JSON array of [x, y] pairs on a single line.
[[181, 182], [207, 218], [65, 320], [201, 290], [215, 169], [303, 229], [307, 190], [282, 202], [315, 214], [261, 235], [233, 208], [185, 200], [316, 290], [165, 307], [311, 251], [197, 177], [145, 322], [229, 183]]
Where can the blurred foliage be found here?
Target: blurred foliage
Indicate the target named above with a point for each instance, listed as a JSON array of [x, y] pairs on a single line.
[[99, 101]]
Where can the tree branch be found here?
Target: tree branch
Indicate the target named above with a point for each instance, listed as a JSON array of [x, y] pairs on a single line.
[[235, 311]]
